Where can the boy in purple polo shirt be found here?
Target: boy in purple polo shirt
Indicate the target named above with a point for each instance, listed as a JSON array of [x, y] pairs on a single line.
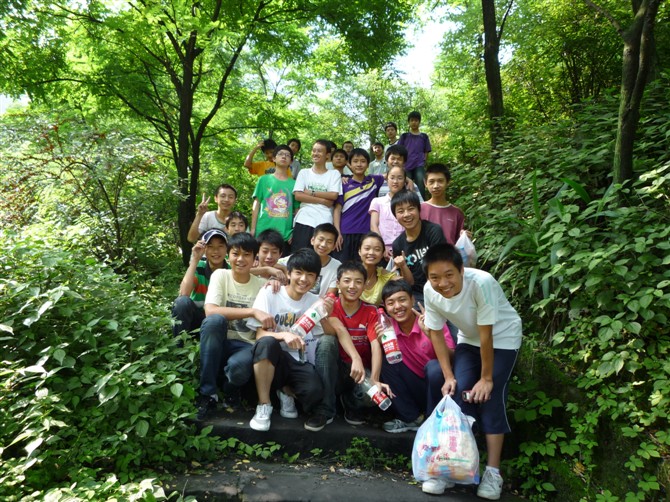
[[417, 380], [418, 148], [351, 216]]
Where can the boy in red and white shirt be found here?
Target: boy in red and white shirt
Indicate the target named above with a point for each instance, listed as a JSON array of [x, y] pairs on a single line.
[[357, 326]]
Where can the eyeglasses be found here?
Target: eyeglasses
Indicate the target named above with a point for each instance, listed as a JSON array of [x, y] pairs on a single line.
[[283, 154]]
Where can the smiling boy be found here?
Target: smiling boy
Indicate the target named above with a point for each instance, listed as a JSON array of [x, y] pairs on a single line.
[[208, 255], [323, 242], [417, 380], [357, 326], [438, 209], [489, 338], [351, 216], [225, 198], [276, 364], [317, 190], [418, 236], [225, 340], [274, 201]]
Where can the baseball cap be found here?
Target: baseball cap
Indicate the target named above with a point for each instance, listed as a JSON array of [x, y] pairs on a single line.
[[214, 232]]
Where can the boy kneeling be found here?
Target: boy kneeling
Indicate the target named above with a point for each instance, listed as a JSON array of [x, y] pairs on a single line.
[[417, 381], [276, 359]]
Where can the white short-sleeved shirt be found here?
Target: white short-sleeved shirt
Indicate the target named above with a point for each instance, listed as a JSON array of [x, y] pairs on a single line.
[[209, 221], [327, 278], [481, 302], [315, 214], [286, 312], [224, 291]]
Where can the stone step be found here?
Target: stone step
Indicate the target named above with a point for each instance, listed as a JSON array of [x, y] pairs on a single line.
[[294, 438]]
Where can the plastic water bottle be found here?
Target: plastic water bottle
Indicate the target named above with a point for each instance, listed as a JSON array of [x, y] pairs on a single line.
[[309, 319], [376, 394], [389, 339]]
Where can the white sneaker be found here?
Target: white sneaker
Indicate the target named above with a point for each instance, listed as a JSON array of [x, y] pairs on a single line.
[[436, 486], [261, 420], [287, 407], [490, 486]]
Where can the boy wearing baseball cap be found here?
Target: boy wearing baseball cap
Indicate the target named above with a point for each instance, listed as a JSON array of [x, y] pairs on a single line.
[[208, 255]]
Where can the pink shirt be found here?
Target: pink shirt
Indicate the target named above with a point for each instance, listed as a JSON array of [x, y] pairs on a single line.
[[389, 228], [416, 347], [450, 218]]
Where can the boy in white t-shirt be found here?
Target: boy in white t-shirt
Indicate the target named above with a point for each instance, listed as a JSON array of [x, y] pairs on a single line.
[[489, 338], [225, 340], [323, 242], [276, 363], [225, 199], [317, 190]]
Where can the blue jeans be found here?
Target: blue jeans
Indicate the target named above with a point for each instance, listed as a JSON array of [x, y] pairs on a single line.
[[327, 355], [216, 351], [414, 395], [187, 314], [418, 176]]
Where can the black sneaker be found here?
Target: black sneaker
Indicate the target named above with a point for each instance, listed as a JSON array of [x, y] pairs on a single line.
[[205, 404], [232, 403], [351, 416], [317, 422]]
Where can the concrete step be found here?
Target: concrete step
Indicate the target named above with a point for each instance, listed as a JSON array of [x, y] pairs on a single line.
[[294, 438], [318, 473]]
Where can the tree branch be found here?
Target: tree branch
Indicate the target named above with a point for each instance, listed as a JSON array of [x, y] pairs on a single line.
[[502, 23], [606, 13]]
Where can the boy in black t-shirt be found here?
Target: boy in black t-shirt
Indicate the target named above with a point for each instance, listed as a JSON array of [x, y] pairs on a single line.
[[411, 245]]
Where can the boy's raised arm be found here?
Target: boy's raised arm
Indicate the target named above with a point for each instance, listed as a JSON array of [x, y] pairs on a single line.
[[188, 282]]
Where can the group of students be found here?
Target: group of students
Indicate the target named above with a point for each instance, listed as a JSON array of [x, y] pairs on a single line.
[[329, 232]]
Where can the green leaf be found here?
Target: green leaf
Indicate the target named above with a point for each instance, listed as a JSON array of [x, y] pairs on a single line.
[[59, 355], [142, 427], [578, 188], [33, 445], [176, 389]]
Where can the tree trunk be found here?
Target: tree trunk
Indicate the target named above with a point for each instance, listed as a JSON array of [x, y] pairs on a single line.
[[187, 161], [638, 56], [492, 68]]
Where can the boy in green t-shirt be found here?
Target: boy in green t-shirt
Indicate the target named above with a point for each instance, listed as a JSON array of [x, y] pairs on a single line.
[[274, 203]]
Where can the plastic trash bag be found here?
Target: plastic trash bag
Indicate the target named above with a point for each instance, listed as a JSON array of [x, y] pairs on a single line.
[[467, 250], [445, 447]]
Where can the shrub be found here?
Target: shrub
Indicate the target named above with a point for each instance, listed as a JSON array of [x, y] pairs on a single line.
[[95, 390]]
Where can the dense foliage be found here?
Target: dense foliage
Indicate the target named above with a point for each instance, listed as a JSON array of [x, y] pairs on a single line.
[[95, 399], [94, 389], [586, 261]]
